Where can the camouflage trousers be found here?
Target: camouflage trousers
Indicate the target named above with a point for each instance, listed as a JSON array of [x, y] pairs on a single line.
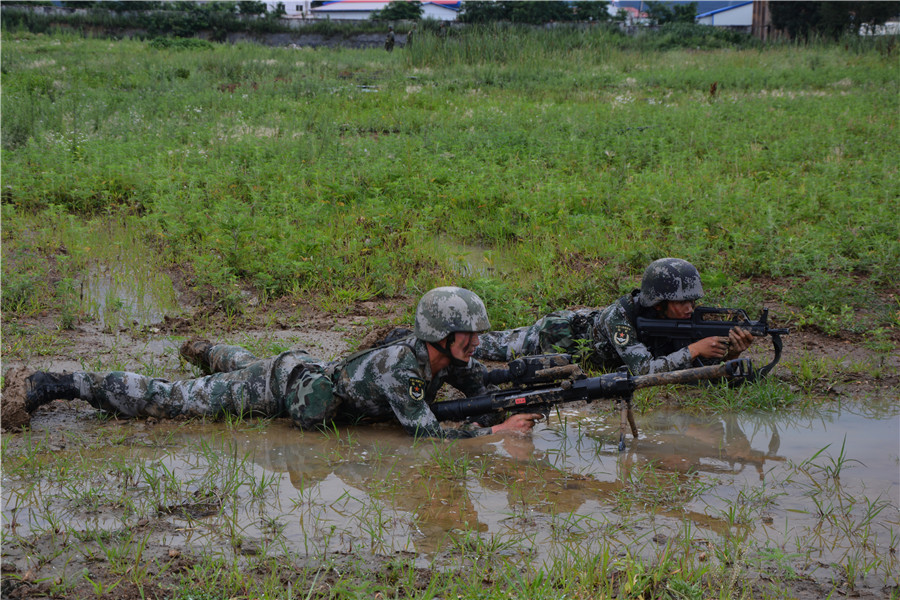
[[550, 334], [290, 384]]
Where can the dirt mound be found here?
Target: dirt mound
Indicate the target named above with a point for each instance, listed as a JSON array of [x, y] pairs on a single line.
[[372, 338], [13, 415], [382, 335]]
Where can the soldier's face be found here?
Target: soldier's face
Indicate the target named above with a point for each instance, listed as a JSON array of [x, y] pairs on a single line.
[[679, 309], [464, 345]]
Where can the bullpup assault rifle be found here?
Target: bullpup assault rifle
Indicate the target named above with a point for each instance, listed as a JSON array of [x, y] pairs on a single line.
[[540, 382], [705, 322]]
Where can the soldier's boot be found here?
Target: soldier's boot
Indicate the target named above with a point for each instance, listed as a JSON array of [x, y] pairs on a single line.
[[43, 387], [196, 352], [24, 390]]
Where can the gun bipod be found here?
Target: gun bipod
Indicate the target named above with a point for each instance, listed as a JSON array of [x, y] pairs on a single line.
[[626, 416]]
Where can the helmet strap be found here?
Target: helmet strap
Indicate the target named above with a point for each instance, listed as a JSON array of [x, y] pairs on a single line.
[[445, 350]]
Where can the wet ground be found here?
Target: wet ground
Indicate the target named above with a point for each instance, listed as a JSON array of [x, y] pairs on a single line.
[[806, 497], [794, 495]]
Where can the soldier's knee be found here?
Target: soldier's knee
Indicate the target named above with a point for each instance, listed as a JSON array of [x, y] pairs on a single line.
[[313, 401]]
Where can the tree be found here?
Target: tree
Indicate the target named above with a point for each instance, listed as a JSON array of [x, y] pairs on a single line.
[[251, 7], [832, 19], [482, 12], [115, 6], [591, 10], [399, 10], [534, 13], [875, 13], [684, 13], [662, 12], [537, 13], [799, 19]]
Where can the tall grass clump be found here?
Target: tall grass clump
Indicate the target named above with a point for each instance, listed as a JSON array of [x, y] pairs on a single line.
[[577, 153]]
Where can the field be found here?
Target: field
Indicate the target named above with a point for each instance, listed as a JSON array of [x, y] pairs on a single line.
[[283, 196]]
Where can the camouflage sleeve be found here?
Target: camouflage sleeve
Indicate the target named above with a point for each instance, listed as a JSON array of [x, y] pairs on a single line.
[[469, 379], [548, 335], [408, 393], [504, 346], [556, 333], [635, 355]]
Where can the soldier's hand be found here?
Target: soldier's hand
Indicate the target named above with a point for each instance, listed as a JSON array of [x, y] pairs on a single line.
[[711, 347], [519, 423], [739, 340]]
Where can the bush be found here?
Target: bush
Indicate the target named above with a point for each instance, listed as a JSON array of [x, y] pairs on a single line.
[[17, 291], [691, 35]]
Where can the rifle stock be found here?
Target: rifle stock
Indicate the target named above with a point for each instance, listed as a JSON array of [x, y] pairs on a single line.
[[541, 396]]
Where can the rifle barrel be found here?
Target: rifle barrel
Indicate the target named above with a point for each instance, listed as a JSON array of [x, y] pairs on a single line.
[[687, 375]]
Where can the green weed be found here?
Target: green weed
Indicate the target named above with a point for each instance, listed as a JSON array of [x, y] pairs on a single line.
[[249, 198]]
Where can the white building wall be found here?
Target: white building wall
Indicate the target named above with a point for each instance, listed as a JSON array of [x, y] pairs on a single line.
[[295, 9], [435, 11], [741, 16], [360, 10], [341, 15]]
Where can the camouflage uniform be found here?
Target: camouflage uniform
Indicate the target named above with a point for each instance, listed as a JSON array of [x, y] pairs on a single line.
[[374, 385], [558, 331], [389, 40], [609, 337]]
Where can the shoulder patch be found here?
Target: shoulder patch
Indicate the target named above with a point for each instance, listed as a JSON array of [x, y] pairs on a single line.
[[416, 388], [622, 335]]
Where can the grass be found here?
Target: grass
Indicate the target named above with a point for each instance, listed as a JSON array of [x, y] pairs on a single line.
[[276, 170], [249, 535], [541, 169]]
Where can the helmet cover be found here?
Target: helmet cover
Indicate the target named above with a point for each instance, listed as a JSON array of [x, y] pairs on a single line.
[[445, 310], [670, 279]]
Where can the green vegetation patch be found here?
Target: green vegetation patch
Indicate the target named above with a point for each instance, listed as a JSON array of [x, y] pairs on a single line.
[[576, 154]]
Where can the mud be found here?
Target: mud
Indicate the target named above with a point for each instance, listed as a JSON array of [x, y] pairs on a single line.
[[13, 414], [341, 482]]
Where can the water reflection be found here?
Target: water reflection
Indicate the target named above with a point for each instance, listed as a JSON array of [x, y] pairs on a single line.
[[822, 485], [505, 487], [470, 260], [121, 294], [422, 493], [715, 445]]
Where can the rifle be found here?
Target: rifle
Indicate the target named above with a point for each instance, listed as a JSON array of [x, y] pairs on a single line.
[[539, 382], [705, 322]]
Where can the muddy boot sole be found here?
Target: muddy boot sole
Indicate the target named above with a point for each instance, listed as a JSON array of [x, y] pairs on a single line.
[[196, 352], [13, 413]]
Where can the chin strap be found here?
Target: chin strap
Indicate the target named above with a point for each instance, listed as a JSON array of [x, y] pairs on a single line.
[[445, 350]]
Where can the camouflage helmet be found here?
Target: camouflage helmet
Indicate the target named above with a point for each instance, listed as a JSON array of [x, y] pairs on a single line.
[[670, 279], [445, 310]]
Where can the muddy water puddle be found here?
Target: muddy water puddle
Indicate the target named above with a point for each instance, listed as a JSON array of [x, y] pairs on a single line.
[[118, 295], [470, 260], [797, 494], [125, 280]]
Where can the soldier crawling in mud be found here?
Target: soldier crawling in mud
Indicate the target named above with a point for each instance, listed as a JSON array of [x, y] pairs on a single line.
[[398, 380], [669, 289]]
